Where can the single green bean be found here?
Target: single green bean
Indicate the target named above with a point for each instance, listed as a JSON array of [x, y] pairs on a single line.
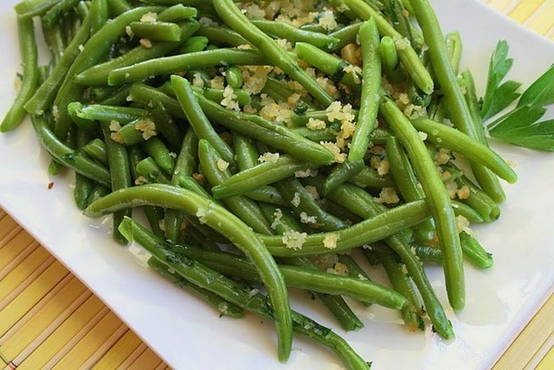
[[221, 35], [119, 96], [233, 17], [154, 215], [96, 149], [83, 185], [283, 30], [146, 96], [178, 63], [346, 35], [371, 84], [473, 150], [157, 149], [260, 175], [340, 174], [454, 48], [389, 56], [67, 156], [194, 44], [436, 197], [157, 31], [233, 76], [56, 12], [29, 58], [234, 292], [135, 156], [177, 12], [107, 113], [197, 119], [118, 7], [149, 169], [316, 135], [246, 209], [408, 57], [461, 209]]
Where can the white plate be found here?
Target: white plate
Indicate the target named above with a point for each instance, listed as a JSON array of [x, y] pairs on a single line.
[[188, 334]]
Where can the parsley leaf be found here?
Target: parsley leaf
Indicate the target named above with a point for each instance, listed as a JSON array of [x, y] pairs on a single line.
[[498, 96], [541, 92], [520, 127]]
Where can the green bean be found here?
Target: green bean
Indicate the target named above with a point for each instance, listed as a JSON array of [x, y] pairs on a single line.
[[135, 156], [29, 57], [339, 211], [369, 178], [83, 185], [166, 126], [221, 35], [341, 174], [107, 113], [246, 154], [234, 18], [177, 13], [223, 307], [94, 49], [279, 91], [98, 75], [436, 197], [194, 44], [98, 192], [260, 175], [266, 194], [488, 181], [316, 135], [82, 124], [157, 149], [67, 156], [454, 48], [118, 162], [244, 208], [151, 171], [429, 254], [157, 31], [389, 56], [402, 283], [408, 185], [154, 215], [118, 7], [473, 150], [56, 12], [178, 63], [274, 135], [70, 25], [408, 57], [96, 149], [304, 204], [237, 294], [221, 221], [197, 119], [346, 35], [363, 204], [329, 64], [461, 209], [400, 21], [233, 76], [283, 30], [456, 104], [371, 83]]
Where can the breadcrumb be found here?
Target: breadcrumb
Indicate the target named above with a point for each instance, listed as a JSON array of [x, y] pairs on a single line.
[[268, 157], [149, 17], [464, 192], [333, 148], [306, 219], [148, 128], [277, 216], [295, 200], [294, 239], [222, 165], [145, 43], [229, 99], [316, 124], [305, 173], [388, 196], [330, 240], [313, 191]]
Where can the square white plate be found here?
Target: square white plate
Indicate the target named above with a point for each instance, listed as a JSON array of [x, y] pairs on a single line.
[[188, 334]]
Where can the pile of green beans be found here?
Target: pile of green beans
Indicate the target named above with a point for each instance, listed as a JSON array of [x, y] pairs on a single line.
[[266, 149]]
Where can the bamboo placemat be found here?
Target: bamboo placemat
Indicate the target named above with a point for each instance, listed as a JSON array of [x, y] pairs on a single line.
[[49, 319]]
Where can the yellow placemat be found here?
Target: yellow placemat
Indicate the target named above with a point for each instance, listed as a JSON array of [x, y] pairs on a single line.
[[48, 319]]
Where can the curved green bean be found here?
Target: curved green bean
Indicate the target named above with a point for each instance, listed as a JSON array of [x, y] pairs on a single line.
[[371, 84], [96, 149], [221, 221], [340, 174], [29, 57], [286, 31], [346, 35], [177, 12], [157, 149], [436, 197]]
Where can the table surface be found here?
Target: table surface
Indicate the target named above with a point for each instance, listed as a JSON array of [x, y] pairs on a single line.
[[48, 318]]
